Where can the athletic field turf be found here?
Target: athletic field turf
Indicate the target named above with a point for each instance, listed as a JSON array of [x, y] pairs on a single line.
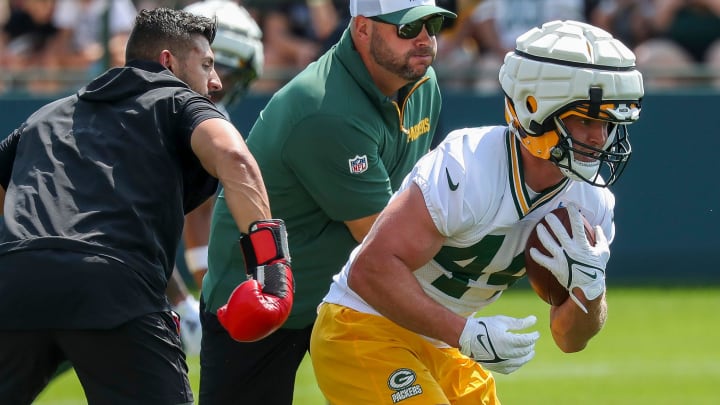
[[660, 346]]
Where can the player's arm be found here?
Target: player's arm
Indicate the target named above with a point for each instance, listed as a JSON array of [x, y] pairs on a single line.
[[359, 228], [402, 240], [223, 154], [572, 328], [580, 266]]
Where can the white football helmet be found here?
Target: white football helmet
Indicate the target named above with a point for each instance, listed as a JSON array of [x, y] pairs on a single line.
[[571, 68], [238, 46]]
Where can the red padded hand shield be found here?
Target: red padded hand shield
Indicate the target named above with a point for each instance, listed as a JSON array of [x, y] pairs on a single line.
[[260, 305], [250, 314]]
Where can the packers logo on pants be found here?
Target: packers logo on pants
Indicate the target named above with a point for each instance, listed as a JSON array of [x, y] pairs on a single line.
[[401, 381]]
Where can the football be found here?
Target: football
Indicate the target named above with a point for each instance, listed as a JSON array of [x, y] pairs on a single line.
[[542, 281]]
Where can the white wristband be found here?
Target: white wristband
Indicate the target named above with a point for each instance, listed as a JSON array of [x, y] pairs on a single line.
[[196, 258]]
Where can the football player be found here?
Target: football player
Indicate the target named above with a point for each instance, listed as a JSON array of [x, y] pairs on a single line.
[[408, 304]]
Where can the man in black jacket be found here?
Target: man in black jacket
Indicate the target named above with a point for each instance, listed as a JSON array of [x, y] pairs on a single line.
[[95, 187]]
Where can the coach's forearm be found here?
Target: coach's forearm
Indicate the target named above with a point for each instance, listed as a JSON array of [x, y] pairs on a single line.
[[245, 193]]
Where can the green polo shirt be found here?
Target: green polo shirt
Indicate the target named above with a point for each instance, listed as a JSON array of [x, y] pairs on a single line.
[[331, 148]]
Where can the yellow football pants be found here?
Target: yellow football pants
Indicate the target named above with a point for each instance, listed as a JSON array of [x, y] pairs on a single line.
[[367, 359]]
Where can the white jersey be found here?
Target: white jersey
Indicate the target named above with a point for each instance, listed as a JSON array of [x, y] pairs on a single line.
[[475, 193]]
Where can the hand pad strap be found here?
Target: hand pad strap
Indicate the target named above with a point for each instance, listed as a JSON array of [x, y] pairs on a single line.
[[265, 243]]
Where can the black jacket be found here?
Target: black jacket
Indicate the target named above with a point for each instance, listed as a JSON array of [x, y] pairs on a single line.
[[107, 172]]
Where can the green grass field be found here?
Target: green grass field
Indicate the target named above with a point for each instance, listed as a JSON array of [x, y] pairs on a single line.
[[660, 346]]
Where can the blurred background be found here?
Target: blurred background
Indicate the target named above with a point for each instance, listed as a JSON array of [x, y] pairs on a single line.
[[668, 204]]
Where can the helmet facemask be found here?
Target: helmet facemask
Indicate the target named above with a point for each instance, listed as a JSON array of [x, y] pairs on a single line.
[[556, 144], [606, 164]]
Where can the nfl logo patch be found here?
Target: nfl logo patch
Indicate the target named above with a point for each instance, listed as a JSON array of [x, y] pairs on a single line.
[[358, 164]]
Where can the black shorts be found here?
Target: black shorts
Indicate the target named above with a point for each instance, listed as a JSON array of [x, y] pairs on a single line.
[[256, 373], [139, 362]]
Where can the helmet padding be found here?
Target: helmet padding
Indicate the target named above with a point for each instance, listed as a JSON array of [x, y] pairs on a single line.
[[566, 66]]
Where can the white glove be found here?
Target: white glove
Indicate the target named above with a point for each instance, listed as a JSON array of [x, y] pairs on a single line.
[[489, 342], [190, 328], [574, 261]]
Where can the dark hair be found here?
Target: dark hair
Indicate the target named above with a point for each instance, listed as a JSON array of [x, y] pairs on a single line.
[[164, 28]]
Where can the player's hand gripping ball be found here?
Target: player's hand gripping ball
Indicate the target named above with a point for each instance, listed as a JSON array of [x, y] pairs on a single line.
[[542, 280]]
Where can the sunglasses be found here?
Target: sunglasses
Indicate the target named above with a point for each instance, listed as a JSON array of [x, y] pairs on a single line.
[[412, 29]]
